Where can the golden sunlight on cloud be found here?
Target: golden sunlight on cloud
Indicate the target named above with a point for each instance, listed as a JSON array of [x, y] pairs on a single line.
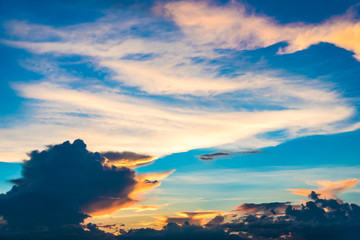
[[142, 208], [145, 183], [148, 181], [328, 189], [151, 127], [129, 163], [232, 27]]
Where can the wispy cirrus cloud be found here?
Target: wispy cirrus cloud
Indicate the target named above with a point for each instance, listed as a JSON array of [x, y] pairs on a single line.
[[154, 90], [329, 189], [232, 26], [227, 154]]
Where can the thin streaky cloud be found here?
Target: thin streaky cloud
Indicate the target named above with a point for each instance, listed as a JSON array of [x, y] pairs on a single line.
[[232, 27]]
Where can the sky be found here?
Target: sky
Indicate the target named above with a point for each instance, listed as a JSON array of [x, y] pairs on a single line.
[[178, 111]]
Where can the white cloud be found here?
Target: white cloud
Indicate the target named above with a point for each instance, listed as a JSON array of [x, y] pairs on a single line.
[[232, 27], [109, 118]]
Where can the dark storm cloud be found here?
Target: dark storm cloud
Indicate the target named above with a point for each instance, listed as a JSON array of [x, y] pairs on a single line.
[[221, 155], [61, 186], [317, 219], [216, 221], [173, 231]]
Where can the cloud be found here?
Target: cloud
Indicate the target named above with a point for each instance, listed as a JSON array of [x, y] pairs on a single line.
[[329, 189], [66, 183], [177, 232], [228, 154], [142, 208], [262, 208], [144, 183], [154, 88], [142, 124], [147, 181], [219, 219], [317, 219], [62, 184], [193, 218], [127, 159], [232, 26]]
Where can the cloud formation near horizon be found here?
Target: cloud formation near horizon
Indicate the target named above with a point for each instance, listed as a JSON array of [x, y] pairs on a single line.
[[262, 208], [317, 219], [193, 218]]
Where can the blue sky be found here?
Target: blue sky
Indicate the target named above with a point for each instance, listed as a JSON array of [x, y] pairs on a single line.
[[178, 79]]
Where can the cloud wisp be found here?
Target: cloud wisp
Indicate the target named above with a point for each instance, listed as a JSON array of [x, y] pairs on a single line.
[[232, 26], [329, 189], [166, 84], [227, 154], [127, 159]]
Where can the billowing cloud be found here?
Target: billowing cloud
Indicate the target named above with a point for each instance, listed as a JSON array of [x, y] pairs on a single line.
[[66, 183], [329, 189], [232, 26], [316, 219], [62, 184]]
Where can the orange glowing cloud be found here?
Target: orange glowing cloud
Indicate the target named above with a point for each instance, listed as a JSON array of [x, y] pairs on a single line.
[[328, 189], [144, 183], [142, 208], [232, 26], [126, 159], [129, 163], [148, 181]]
